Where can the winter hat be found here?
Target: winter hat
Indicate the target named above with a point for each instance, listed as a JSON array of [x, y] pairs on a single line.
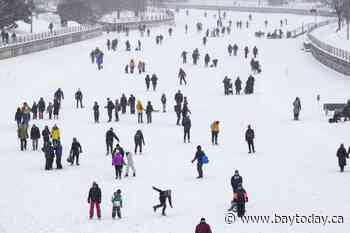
[[199, 147], [236, 171], [202, 219]]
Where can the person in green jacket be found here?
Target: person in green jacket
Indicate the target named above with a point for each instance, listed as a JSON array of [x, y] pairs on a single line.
[[117, 202], [23, 136]]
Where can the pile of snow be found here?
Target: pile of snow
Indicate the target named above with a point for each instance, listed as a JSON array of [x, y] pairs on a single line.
[[329, 35], [41, 24]]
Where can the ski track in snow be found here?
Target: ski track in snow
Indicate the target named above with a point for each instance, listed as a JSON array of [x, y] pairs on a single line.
[[294, 170]]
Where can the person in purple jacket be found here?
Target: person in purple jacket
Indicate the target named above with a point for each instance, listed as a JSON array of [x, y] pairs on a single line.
[[118, 162]]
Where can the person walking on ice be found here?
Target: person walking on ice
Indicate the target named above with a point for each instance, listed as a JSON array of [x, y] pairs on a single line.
[[249, 137], [130, 164], [117, 202], [94, 199]]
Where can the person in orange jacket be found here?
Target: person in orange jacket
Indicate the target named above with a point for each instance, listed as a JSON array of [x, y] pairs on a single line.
[[215, 132]]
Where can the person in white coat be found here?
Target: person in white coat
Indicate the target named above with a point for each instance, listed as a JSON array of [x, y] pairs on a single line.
[[130, 164]]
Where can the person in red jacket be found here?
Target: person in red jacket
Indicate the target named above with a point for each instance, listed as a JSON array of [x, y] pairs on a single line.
[[203, 227]]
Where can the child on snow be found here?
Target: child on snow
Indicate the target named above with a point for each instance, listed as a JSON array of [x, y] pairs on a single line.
[[117, 202]]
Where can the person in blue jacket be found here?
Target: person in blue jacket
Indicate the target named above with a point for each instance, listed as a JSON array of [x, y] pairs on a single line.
[[199, 157], [58, 154]]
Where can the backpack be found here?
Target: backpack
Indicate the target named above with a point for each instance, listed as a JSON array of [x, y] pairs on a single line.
[[205, 159]]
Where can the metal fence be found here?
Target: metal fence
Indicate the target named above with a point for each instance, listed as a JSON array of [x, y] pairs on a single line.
[[47, 35], [336, 52], [305, 28]]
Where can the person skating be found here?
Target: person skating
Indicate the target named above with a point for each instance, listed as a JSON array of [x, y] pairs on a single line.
[[18, 117], [238, 86], [154, 80], [55, 135], [117, 109], [75, 151], [118, 162], [59, 95], [132, 103], [240, 197], [109, 107], [149, 111], [203, 227], [236, 181], [296, 108], [99, 60], [35, 111], [182, 76], [186, 123], [94, 199], [215, 129], [119, 149], [58, 154], [35, 136], [139, 141], [185, 110], [123, 103], [255, 51], [49, 110], [108, 44], [139, 109], [79, 98], [249, 137], [163, 197], [178, 97], [206, 60], [235, 49], [110, 136], [41, 108], [246, 51], [199, 158], [227, 85], [49, 155], [148, 82], [178, 111], [46, 135], [230, 49], [96, 109], [23, 136], [184, 57], [117, 203], [56, 109], [163, 100], [130, 164], [342, 156]]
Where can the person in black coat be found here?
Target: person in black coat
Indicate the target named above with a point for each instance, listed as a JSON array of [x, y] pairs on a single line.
[[184, 57], [199, 158], [238, 86], [149, 110], [18, 117], [182, 76], [49, 155], [255, 51], [132, 103], [59, 95], [110, 107], [186, 123], [79, 98], [41, 108], [139, 140], [163, 196], [178, 97], [246, 51], [56, 108], [123, 103], [235, 49], [94, 199], [96, 109], [110, 136], [117, 109], [249, 137], [46, 135], [236, 181], [154, 80], [34, 136], [75, 150], [35, 110], [342, 156], [185, 110], [148, 82], [163, 100], [178, 111], [206, 60]]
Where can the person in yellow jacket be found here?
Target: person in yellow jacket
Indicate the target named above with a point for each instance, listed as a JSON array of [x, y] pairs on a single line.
[[55, 134], [215, 129], [139, 109]]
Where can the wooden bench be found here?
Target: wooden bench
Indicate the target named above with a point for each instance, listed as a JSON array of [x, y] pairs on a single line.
[[333, 107]]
